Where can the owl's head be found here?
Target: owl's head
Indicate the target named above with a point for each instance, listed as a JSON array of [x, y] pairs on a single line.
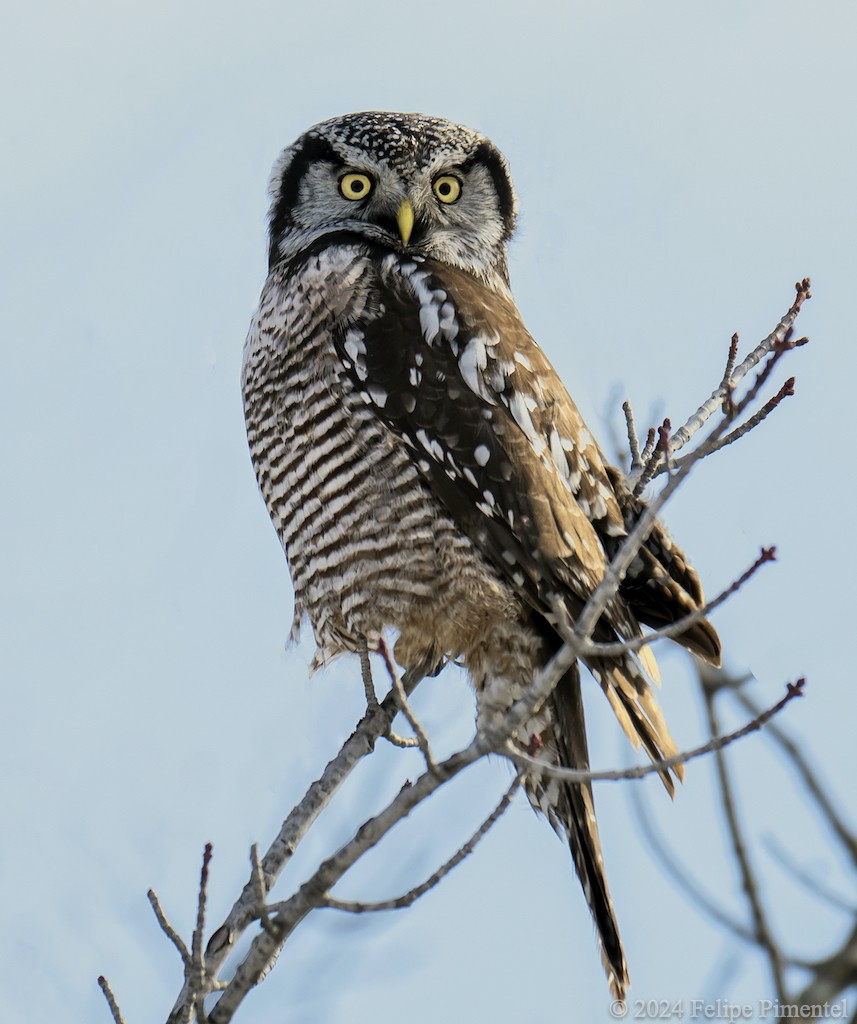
[[413, 183]]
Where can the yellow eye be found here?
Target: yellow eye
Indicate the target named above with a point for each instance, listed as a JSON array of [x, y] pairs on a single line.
[[446, 188], [355, 186]]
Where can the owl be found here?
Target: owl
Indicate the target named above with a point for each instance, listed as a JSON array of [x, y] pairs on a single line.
[[423, 464]]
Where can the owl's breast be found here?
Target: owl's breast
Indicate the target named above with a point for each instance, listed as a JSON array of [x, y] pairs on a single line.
[[368, 544]]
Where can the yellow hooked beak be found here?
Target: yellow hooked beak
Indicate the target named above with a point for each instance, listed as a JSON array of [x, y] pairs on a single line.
[[405, 220]]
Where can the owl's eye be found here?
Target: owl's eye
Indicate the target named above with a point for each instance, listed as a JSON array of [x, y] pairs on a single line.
[[355, 186], [446, 188]]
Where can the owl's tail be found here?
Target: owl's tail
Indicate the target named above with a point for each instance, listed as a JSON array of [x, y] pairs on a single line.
[[570, 809]]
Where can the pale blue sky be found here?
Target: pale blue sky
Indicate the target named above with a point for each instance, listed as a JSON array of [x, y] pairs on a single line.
[[679, 166]]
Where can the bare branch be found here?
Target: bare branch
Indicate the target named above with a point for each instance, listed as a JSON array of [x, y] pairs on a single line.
[[313, 892], [649, 447], [659, 455], [633, 443], [761, 928], [369, 730], [786, 391], [663, 856], [366, 672], [677, 874], [763, 349], [611, 650], [833, 975], [405, 900], [716, 743], [807, 774], [168, 929], [261, 888], [728, 383], [807, 878], [111, 1000], [420, 734], [197, 980]]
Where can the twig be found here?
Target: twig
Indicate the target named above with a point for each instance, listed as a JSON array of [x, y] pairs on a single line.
[[633, 442], [727, 384], [314, 891], [808, 776], [168, 929], [716, 743], [419, 731], [786, 391], [832, 975], [777, 336], [648, 447], [362, 741], [111, 1000], [198, 982], [405, 900], [676, 873], [614, 649], [261, 890], [807, 878], [748, 879], [419, 739], [659, 455], [366, 672]]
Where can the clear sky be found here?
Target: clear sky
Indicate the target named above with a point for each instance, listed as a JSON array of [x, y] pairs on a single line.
[[679, 167]]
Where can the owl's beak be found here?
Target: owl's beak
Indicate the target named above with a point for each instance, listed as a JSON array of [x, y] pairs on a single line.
[[405, 220]]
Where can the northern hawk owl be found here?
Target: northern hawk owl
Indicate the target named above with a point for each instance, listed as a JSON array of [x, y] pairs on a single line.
[[422, 462]]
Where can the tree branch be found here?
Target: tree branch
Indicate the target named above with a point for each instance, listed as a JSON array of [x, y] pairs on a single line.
[[612, 650], [716, 743], [761, 929], [405, 900], [115, 1012]]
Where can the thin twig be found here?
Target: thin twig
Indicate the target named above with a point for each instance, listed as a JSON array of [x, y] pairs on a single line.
[[676, 873], [810, 779], [168, 929], [715, 401], [419, 731], [366, 671], [405, 742], [786, 391], [405, 900], [197, 954], [659, 455], [807, 878], [111, 1000], [648, 447], [748, 879], [616, 648], [261, 890], [831, 976], [727, 384], [362, 741], [399, 695], [633, 442], [716, 743]]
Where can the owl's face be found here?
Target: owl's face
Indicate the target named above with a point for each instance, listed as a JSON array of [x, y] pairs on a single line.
[[412, 183]]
